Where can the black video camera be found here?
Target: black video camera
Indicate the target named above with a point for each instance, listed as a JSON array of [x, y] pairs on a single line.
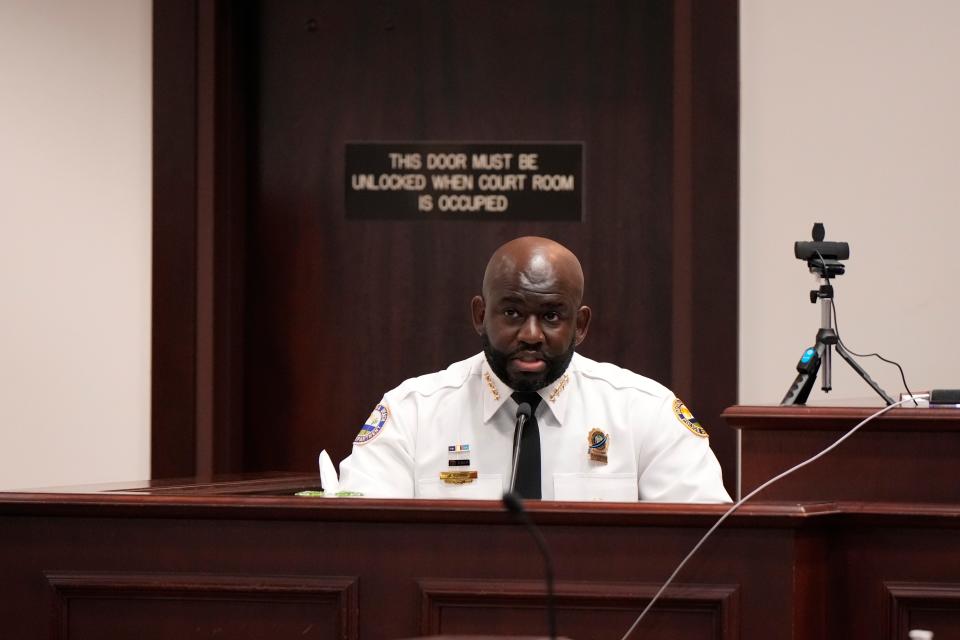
[[822, 257]]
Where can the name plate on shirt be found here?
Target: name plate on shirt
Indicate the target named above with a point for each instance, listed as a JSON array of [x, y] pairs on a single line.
[[464, 181]]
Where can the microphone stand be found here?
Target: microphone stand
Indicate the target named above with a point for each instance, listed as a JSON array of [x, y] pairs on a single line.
[[517, 436], [514, 504]]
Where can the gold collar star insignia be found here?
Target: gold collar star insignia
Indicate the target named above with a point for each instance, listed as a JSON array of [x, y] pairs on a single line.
[[491, 386], [558, 389]]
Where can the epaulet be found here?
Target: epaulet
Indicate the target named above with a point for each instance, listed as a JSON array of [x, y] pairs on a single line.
[[452, 377], [620, 378]]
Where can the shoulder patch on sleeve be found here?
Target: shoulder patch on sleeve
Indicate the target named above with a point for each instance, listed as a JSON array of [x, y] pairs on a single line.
[[374, 425], [686, 419]]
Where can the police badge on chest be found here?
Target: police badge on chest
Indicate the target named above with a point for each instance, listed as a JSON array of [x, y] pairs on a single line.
[[598, 443]]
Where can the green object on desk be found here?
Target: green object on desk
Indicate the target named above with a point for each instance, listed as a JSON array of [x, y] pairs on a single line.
[[313, 493]]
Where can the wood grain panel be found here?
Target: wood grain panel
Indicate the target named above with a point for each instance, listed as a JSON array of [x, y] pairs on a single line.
[[584, 609], [277, 330], [801, 571], [345, 310], [906, 455], [902, 573], [156, 605], [934, 606]]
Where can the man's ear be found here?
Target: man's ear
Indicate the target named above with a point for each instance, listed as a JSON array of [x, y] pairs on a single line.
[[478, 309], [583, 323]]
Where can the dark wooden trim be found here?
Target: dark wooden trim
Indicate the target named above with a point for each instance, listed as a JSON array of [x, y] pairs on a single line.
[[705, 216], [173, 386], [681, 378], [262, 499], [713, 246], [258, 504], [201, 111], [235, 154], [206, 202], [774, 418]]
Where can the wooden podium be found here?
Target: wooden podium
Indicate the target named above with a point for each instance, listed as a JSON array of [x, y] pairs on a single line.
[[247, 559], [905, 455]]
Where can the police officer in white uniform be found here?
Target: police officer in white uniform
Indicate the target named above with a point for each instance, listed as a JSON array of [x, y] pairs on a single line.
[[597, 431]]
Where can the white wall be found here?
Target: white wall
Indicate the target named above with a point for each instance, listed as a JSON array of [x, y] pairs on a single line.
[[75, 101], [850, 115]]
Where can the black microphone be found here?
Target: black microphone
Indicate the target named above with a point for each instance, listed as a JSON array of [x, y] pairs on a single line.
[[523, 414], [514, 504]]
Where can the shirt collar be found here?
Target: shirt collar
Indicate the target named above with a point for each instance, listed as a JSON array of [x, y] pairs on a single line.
[[496, 392], [555, 395]]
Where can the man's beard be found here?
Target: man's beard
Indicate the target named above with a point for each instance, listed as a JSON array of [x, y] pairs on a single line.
[[527, 381]]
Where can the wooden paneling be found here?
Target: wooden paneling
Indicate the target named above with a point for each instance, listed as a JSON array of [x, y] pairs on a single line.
[[202, 121], [905, 455], [278, 328], [894, 579], [609, 559], [183, 605], [202, 555], [919, 605], [346, 310], [451, 607]]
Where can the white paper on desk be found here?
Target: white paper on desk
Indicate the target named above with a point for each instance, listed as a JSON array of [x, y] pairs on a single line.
[[329, 481]]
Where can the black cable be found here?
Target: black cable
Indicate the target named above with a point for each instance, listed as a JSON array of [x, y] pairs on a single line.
[[836, 329]]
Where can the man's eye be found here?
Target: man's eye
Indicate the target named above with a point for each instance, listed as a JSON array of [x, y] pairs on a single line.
[[551, 316], [511, 313]]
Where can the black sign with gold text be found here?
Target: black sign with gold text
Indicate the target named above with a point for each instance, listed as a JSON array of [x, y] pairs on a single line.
[[464, 181]]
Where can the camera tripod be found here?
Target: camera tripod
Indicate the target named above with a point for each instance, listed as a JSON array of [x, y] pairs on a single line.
[[819, 355]]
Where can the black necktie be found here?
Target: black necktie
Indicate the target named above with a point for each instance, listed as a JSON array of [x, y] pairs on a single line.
[[528, 465]]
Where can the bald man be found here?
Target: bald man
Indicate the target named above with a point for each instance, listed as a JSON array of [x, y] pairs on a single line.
[[595, 431]]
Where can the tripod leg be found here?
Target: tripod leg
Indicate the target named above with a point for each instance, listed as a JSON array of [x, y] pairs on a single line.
[[863, 374], [808, 366], [799, 390]]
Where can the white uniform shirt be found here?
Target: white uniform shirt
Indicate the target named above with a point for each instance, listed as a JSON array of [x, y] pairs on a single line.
[[655, 450]]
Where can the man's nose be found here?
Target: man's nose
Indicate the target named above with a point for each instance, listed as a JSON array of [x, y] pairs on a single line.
[[530, 331]]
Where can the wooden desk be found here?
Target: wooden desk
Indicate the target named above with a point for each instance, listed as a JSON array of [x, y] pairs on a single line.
[[906, 455], [247, 560]]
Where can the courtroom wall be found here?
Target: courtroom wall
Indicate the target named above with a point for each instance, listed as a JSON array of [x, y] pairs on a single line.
[[74, 240], [849, 116]]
